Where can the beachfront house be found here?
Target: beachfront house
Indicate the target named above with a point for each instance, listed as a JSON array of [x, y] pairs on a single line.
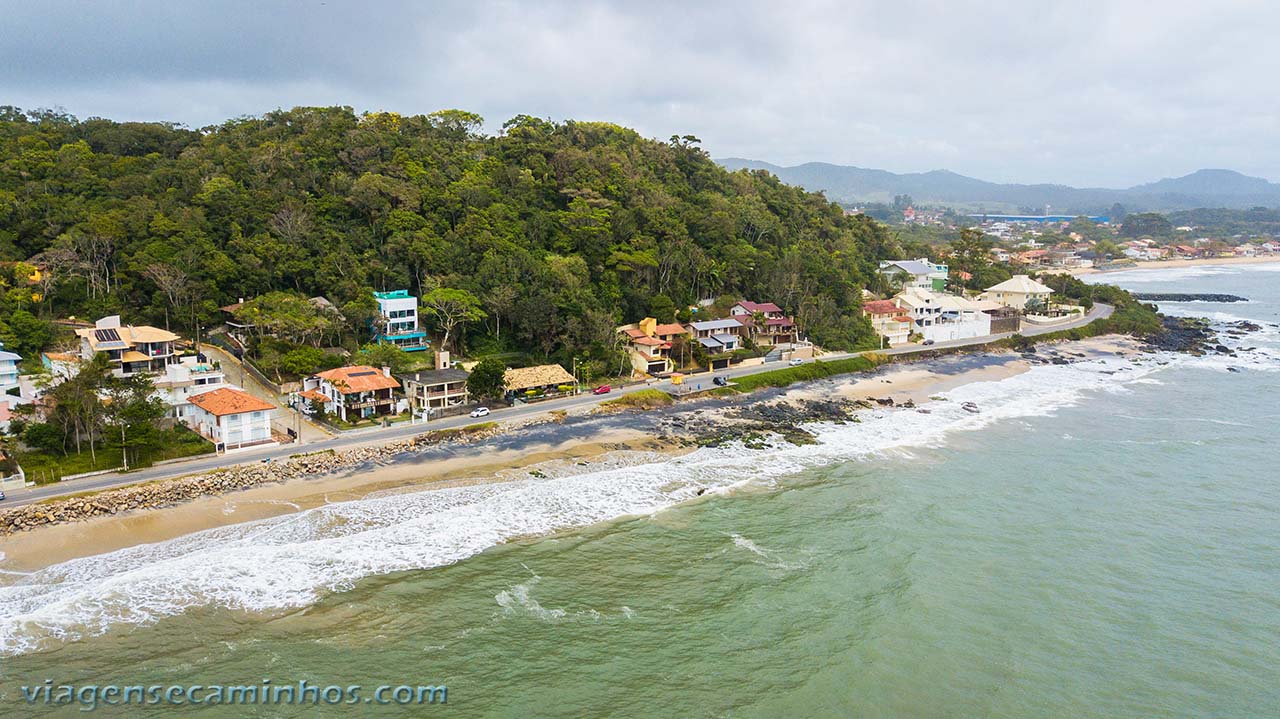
[[717, 336], [399, 326], [649, 344], [131, 349], [185, 379], [8, 369], [352, 393], [548, 380], [231, 418], [941, 317], [435, 390], [765, 323], [1018, 291], [889, 321], [917, 273]]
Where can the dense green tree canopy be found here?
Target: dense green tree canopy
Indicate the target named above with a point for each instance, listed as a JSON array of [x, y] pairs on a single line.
[[558, 229]]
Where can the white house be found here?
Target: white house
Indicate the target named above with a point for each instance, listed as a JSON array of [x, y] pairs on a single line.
[[8, 369], [941, 317], [1017, 291], [185, 379], [399, 311], [231, 418], [924, 274]]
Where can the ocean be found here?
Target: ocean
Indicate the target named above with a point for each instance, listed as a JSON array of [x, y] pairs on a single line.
[[1102, 540]]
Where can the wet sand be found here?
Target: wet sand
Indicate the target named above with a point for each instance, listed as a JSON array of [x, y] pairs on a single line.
[[511, 456], [1166, 264]]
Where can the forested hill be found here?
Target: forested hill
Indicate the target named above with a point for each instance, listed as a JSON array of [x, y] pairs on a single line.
[[562, 230]]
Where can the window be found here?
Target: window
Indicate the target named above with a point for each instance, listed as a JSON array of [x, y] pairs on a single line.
[[257, 415]]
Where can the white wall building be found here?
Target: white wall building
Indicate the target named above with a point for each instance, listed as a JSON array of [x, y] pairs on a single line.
[[941, 317], [8, 369], [185, 379], [924, 274], [399, 311], [231, 418]]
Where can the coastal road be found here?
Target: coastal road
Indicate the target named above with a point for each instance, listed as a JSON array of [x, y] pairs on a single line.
[[383, 435]]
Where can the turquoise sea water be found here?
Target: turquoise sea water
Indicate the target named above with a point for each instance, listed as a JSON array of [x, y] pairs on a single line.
[[1102, 541]]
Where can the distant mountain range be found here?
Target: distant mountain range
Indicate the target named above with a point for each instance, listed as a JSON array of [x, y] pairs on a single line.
[[846, 184]]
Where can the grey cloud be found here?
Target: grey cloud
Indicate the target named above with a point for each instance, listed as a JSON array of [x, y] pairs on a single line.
[[1091, 93]]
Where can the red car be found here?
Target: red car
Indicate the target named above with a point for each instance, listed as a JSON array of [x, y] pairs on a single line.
[[602, 389]]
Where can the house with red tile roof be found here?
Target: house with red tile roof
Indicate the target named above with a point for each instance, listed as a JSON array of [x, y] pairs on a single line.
[[775, 329], [890, 321], [231, 418], [354, 392], [649, 344]]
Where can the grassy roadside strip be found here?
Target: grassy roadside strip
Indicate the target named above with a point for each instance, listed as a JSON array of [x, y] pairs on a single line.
[[642, 399], [806, 372]]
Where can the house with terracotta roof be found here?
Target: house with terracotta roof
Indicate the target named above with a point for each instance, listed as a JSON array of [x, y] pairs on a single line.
[[231, 418], [131, 349], [649, 345], [765, 323], [354, 392], [889, 321]]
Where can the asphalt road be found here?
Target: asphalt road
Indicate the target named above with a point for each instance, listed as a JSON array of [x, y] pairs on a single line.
[[382, 435]]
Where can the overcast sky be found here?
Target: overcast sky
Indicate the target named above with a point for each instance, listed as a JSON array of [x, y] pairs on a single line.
[[1079, 92]]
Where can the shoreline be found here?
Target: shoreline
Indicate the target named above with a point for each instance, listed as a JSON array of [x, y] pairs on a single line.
[[1170, 264], [585, 438]]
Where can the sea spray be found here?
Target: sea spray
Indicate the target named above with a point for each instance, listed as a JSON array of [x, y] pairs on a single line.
[[291, 561]]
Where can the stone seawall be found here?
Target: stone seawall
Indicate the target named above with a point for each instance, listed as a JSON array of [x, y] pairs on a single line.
[[163, 493]]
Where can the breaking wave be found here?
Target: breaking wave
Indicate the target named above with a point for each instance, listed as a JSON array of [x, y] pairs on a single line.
[[292, 561]]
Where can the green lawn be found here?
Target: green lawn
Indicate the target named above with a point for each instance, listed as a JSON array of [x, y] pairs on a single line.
[[642, 399], [807, 371], [44, 468]]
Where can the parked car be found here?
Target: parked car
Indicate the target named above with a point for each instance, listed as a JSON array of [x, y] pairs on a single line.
[[602, 389], [795, 362], [1, 496], [721, 381], [928, 342], [480, 412]]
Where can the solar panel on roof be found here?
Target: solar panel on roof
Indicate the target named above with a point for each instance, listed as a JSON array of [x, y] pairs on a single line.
[[363, 374], [107, 335]]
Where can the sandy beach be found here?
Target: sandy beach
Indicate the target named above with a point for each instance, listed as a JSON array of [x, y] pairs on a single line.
[[529, 451], [1166, 264]]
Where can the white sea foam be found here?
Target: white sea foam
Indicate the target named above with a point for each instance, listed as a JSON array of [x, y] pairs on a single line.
[[291, 561]]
